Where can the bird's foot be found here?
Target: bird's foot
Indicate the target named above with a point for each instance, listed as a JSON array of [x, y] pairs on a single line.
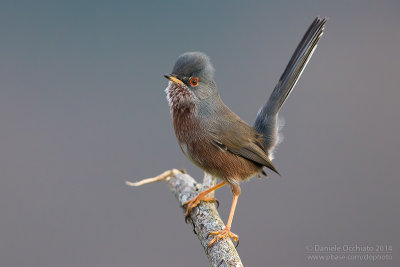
[[194, 202], [222, 234]]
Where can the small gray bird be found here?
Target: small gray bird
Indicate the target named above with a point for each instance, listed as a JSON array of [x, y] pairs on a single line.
[[216, 139]]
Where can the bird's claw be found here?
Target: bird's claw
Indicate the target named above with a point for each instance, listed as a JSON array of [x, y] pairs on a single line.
[[194, 202], [222, 234], [217, 203]]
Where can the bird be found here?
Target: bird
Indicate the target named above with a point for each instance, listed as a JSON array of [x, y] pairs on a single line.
[[217, 140]]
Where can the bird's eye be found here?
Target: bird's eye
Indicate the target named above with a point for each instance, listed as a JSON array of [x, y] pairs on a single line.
[[194, 81]]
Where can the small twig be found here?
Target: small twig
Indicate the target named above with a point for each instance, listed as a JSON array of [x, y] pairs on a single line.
[[205, 217], [163, 176]]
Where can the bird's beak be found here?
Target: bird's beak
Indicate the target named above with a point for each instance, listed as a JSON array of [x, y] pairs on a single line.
[[173, 79]]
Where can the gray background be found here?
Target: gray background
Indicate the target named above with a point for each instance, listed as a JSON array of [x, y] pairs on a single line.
[[82, 109]]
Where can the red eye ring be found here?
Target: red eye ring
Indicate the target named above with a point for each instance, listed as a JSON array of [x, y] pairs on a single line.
[[194, 81]]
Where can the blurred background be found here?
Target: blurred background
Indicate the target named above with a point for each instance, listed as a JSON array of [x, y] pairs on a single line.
[[82, 110]]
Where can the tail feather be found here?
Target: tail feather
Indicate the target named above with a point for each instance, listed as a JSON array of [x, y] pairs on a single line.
[[267, 122]]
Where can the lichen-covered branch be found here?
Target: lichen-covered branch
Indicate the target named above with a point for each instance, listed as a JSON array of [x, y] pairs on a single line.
[[205, 217]]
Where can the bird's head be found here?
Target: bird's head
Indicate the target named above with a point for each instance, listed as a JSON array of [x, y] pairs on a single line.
[[194, 73]]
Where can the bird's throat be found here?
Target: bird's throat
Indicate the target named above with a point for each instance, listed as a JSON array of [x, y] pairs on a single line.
[[183, 110], [179, 98]]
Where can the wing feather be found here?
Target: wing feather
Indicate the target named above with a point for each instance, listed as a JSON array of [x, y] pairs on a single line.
[[237, 137]]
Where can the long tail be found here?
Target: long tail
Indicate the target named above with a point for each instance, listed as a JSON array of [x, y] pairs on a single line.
[[267, 118]]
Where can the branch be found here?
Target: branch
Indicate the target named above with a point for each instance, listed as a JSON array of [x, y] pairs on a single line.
[[205, 217]]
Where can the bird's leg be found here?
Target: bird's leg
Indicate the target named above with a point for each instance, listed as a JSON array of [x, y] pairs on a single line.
[[202, 196], [227, 231]]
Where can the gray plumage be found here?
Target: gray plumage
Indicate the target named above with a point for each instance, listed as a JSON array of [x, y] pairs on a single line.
[[267, 122], [194, 63]]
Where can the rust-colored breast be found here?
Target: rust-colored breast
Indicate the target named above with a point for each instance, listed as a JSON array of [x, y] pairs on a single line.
[[197, 145]]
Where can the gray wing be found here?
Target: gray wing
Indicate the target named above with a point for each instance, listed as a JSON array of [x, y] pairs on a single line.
[[237, 137]]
